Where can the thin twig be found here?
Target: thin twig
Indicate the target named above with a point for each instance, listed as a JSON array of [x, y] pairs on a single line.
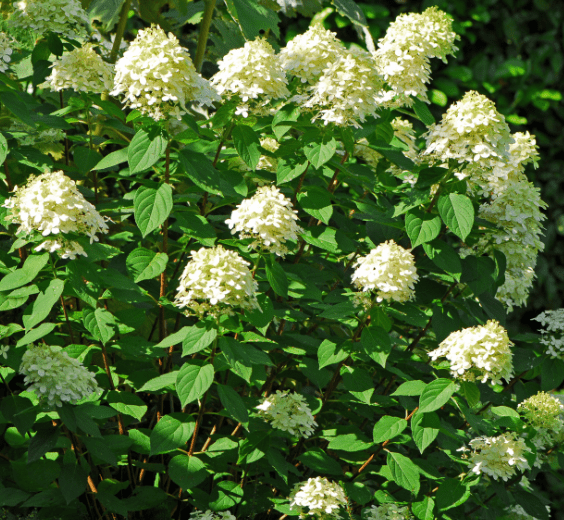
[[209, 6]]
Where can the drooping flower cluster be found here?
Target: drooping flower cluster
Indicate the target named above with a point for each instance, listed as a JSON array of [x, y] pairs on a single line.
[[321, 497], [288, 411], [403, 55], [267, 217], [390, 270], [211, 515], [386, 512], [55, 377], [350, 90], [309, 54], [81, 70], [5, 51], [252, 72], [157, 77], [52, 205], [216, 277], [64, 17], [482, 351], [553, 332], [499, 457], [471, 131]]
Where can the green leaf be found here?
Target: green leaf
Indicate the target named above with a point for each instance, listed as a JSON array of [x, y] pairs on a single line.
[[388, 427], [85, 158], [152, 207], [349, 9], [145, 149], [421, 227], [424, 510], [26, 274], [168, 434], [451, 493], [42, 442], [72, 481], [43, 304], [187, 472], [127, 403], [35, 476], [552, 374], [393, 154], [254, 447], [410, 388], [349, 442], [422, 112], [254, 18], [531, 504], [247, 144], [471, 392], [35, 334], [233, 404], [289, 168], [106, 11], [376, 343], [200, 171], [15, 103], [276, 277], [283, 119], [429, 176], [100, 323], [112, 159], [193, 382], [425, 428], [319, 153], [315, 458], [444, 257], [198, 338], [329, 353], [3, 149], [317, 202], [436, 395], [241, 365], [144, 264], [225, 494], [457, 213], [167, 381], [404, 472]]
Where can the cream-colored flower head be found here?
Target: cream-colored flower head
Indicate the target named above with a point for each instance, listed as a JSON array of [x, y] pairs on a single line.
[[350, 90], [216, 277], [390, 270], [288, 411], [499, 457], [64, 17], [268, 217], [52, 205], [211, 515], [516, 211], [403, 54], [5, 51], [387, 512], [64, 248], [157, 77], [542, 410], [471, 131], [251, 72], [552, 332], [309, 54], [55, 377], [81, 70], [321, 497], [482, 351]]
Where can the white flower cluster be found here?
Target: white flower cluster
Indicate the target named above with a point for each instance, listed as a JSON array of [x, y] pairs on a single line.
[[386, 512], [64, 17], [64, 248], [5, 51], [211, 515], [288, 411], [471, 131], [267, 217], [82, 70], [322, 497], [268, 163], [51, 205], [251, 72], [309, 54], [544, 413], [349, 90], [482, 351], [499, 457], [403, 55], [56, 377], [388, 269], [157, 77], [553, 332], [217, 276]]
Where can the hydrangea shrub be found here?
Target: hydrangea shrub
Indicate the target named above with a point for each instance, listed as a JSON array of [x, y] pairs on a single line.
[[277, 288]]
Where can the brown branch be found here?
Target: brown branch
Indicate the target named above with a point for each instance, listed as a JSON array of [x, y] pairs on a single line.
[[333, 184]]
